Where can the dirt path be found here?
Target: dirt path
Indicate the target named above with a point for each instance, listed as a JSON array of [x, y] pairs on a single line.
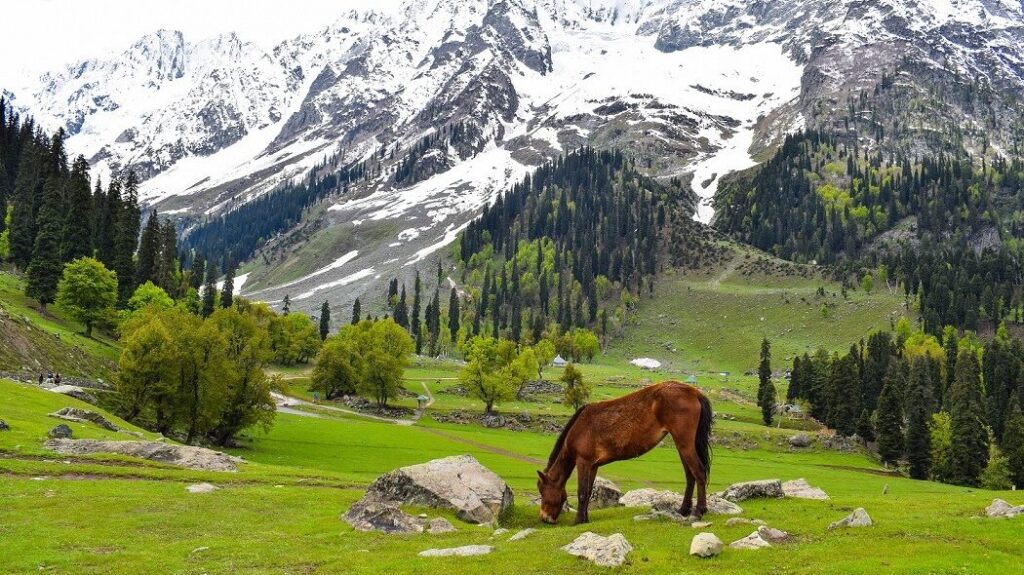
[[728, 271], [285, 404], [483, 446]]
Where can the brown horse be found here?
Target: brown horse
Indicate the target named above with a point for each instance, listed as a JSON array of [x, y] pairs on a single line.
[[624, 428]]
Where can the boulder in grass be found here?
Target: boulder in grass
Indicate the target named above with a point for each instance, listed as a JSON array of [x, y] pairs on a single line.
[[1000, 508], [440, 525], [459, 483], [648, 497], [605, 494], [464, 551], [772, 535], [763, 488], [859, 518], [610, 551], [62, 431], [202, 488], [75, 392], [800, 489], [384, 516], [800, 440], [84, 416], [720, 506], [752, 541], [705, 545], [522, 534], [187, 456]]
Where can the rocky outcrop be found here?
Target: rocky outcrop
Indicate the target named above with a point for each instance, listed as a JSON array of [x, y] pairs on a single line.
[[705, 545], [75, 392], [1000, 508], [605, 494], [610, 551], [800, 440], [178, 455], [800, 489], [384, 516], [859, 518], [460, 483], [84, 416], [766, 488], [648, 497]]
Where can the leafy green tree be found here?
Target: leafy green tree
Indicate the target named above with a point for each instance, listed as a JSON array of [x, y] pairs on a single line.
[[294, 338], [149, 294], [577, 390], [545, 352], [339, 366], [941, 446], [919, 410], [490, 374], [87, 291], [969, 435], [996, 475], [889, 418], [765, 387], [867, 283], [387, 349], [146, 368]]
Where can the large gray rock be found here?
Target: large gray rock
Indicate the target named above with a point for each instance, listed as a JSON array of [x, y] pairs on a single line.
[[84, 416], [1000, 508], [605, 494], [464, 551], [459, 483], [705, 545], [800, 440], [800, 489], [859, 518], [648, 497], [75, 392], [720, 506], [383, 516], [178, 455], [752, 541], [770, 488], [610, 551], [62, 431]]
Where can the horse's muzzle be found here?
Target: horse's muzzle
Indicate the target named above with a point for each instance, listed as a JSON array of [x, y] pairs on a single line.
[[547, 518]]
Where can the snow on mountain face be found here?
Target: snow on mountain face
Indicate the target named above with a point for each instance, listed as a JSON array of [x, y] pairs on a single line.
[[689, 87]]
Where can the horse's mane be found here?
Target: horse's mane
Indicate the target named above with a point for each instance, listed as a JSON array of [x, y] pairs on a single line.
[[560, 442]]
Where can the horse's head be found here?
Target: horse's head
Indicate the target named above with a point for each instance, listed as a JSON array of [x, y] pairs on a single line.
[[552, 498]]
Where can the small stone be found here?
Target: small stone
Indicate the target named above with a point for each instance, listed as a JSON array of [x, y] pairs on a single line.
[[758, 522], [605, 494], [4, 426], [202, 488], [705, 545], [734, 521], [464, 551], [60, 432], [800, 440], [752, 541], [772, 535], [499, 532], [720, 506], [440, 525], [199, 550], [522, 534], [859, 518], [701, 524], [369, 514], [610, 551]]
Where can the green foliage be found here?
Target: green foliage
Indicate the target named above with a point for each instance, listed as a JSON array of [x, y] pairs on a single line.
[[919, 407], [1013, 443], [493, 371], [577, 389], [294, 338], [889, 418], [765, 387], [996, 475], [368, 358], [87, 292], [940, 430], [867, 283], [969, 436], [149, 294], [339, 366]]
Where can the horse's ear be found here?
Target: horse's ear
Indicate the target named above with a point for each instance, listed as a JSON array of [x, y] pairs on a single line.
[[541, 475]]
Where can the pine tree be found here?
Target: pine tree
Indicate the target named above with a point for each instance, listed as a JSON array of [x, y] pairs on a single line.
[[401, 312], [844, 394], [286, 305], [210, 290], [168, 269], [969, 442], [198, 271], [765, 387], [227, 291], [149, 251], [126, 239], [453, 314], [1013, 443], [919, 413], [793, 391], [109, 217], [417, 294], [325, 320], [889, 418], [356, 312], [26, 198], [76, 234], [45, 269]]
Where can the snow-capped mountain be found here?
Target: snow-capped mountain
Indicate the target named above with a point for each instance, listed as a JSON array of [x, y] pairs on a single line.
[[692, 88]]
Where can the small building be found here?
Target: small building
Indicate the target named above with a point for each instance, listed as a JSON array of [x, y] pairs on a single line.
[[559, 362]]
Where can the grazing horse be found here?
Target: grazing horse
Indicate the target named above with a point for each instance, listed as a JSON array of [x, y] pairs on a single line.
[[625, 428]]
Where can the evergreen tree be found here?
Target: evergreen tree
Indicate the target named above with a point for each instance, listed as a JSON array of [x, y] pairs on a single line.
[[1013, 443], [417, 294], [401, 312], [453, 314], [149, 251], [198, 271], [356, 312], [765, 387], [44, 271], [286, 305], [109, 218], [889, 418], [126, 239], [919, 413], [793, 391], [76, 235], [27, 194], [227, 291], [969, 441], [844, 394], [168, 269], [325, 320], [210, 290]]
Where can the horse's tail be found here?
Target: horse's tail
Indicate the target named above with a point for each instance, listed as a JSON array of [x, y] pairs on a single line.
[[707, 420]]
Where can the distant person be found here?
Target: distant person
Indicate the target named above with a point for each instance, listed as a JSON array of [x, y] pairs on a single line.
[[41, 378], [57, 379]]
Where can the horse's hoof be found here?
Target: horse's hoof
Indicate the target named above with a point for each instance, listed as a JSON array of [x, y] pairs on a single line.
[[580, 521], [685, 511]]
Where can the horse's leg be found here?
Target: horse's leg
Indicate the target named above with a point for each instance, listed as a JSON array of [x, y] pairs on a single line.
[[585, 474], [688, 496]]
